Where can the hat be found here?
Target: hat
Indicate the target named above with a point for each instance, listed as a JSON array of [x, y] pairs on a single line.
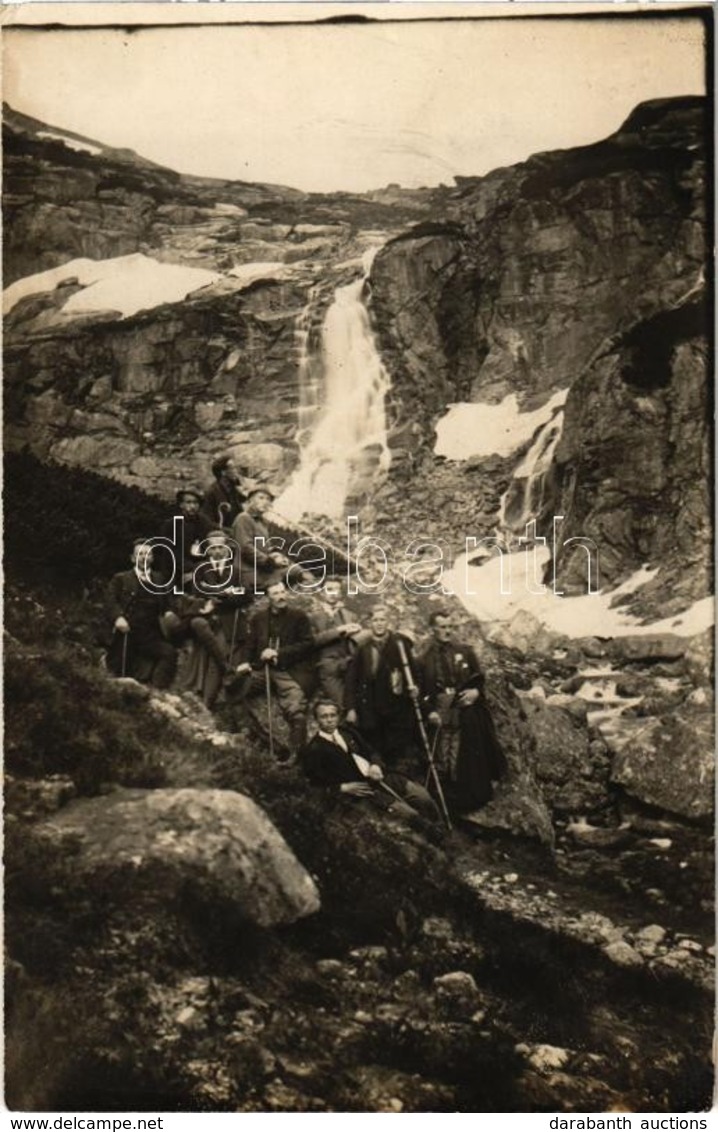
[[252, 487], [219, 465], [184, 492], [215, 536]]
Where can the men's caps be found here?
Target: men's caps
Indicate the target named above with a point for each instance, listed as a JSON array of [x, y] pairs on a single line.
[[216, 538], [188, 493]]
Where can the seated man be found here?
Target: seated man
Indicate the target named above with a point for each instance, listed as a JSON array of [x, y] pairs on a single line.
[[468, 753], [259, 566], [280, 642], [218, 577], [336, 634], [338, 756], [195, 527], [224, 498], [138, 647]]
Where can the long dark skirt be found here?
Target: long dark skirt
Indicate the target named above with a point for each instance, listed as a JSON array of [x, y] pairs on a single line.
[[480, 760]]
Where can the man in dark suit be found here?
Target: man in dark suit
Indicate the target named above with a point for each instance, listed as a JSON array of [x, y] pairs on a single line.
[[338, 756], [218, 577], [280, 639], [377, 698], [336, 635], [452, 686], [138, 647]]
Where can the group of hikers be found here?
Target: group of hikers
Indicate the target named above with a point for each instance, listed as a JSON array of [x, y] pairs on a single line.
[[382, 713]]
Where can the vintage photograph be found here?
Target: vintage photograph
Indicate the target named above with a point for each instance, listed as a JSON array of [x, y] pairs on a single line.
[[358, 544]]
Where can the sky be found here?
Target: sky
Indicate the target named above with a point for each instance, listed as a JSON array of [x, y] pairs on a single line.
[[351, 107]]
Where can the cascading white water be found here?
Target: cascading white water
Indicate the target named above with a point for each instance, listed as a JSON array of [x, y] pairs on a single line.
[[526, 496], [349, 443]]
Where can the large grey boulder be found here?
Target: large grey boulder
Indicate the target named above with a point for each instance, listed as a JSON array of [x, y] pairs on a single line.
[[159, 842], [666, 762]]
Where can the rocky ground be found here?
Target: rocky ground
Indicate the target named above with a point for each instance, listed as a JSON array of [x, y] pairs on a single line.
[[486, 971]]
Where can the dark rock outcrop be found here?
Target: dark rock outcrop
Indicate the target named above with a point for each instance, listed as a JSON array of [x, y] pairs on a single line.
[[634, 459], [535, 265]]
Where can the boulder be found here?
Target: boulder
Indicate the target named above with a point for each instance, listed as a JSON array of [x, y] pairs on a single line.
[[155, 844], [666, 762], [562, 759], [652, 646]]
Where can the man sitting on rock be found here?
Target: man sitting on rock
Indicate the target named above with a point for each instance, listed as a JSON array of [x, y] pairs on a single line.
[[195, 527], [224, 498], [259, 566], [218, 577], [138, 647], [338, 756], [280, 643]]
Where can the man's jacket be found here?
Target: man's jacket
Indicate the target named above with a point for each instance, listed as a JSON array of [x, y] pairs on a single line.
[[447, 668], [326, 764], [375, 684]]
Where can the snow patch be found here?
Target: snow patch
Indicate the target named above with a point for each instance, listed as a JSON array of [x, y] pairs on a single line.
[[248, 273], [71, 143], [478, 429], [589, 615], [126, 284]]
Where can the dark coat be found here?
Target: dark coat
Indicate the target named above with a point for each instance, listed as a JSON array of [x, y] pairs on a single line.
[[218, 493], [127, 597], [194, 529], [143, 653], [326, 764], [381, 696], [293, 631], [480, 760]]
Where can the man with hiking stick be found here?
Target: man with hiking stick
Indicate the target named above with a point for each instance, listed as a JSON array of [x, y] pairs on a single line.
[[278, 661], [338, 757], [138, 647]]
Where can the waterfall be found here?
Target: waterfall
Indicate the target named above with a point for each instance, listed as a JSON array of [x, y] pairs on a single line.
[[348, 445], [528, 494]]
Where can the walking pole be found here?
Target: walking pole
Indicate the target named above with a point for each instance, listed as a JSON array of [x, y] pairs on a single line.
[[414, 696], [124, 654], [434, 745], [234, 636], [268, 688], [272, 643]]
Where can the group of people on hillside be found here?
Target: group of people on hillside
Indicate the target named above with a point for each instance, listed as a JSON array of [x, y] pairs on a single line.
[[376, 703]]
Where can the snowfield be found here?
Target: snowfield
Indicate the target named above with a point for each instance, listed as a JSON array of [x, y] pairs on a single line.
[[477, 429], [126, 284], [71, 143], [478, 587]]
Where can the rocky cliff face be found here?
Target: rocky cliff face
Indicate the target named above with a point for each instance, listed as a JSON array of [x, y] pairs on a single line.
[[527, 270], [578, 270], [150, 396]]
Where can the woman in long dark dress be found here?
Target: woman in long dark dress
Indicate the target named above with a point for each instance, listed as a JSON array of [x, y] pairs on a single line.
[[468, 750]]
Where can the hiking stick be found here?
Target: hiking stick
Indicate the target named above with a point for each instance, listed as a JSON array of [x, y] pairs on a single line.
[[268, 689], [414, 696], [123, 669], [234, 635]]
